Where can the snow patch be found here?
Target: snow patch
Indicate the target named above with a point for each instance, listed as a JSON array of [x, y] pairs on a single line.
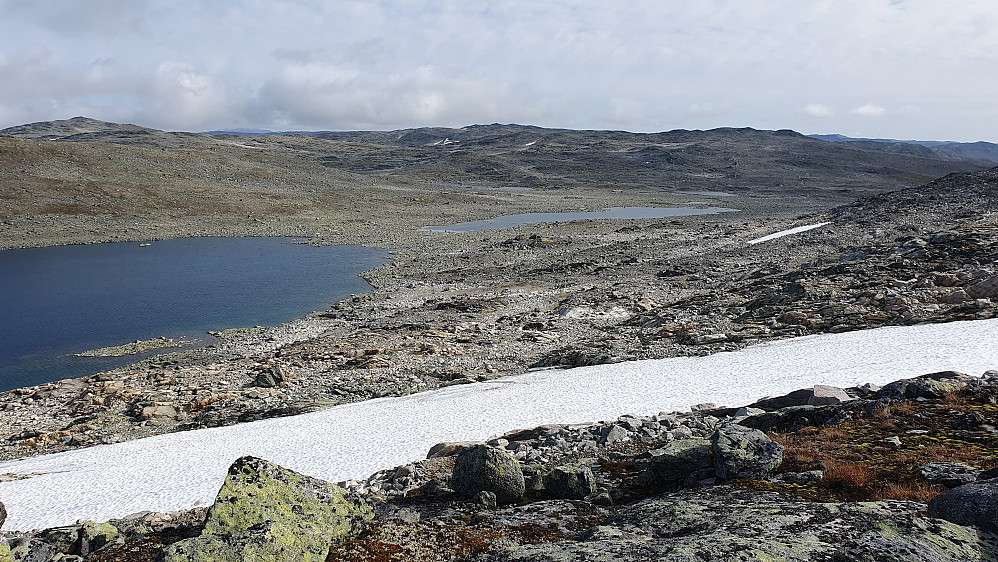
[[783, 233], [351, 441]]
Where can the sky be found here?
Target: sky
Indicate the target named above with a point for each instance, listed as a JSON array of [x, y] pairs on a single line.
[[910, 69]]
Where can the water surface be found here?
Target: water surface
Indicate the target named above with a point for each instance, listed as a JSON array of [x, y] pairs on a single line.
[[64, 300], [510, 221]]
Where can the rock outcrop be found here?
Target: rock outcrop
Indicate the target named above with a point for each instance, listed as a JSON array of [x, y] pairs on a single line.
[[722, 524]]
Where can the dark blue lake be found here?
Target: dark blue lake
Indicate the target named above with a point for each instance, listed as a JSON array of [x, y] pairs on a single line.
[[58, 301]]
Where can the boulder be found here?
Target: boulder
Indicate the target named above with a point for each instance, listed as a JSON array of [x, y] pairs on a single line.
[[31, 549], [3, 514], [742, 452], [95, 536], [984, 289], [971, 504], [570, 482], [682, 462], [267, 512], [922, 387], [614, 433], [949, 474], [271, 377], [450, 448], [481, 468], [159, 411], [824, 395]]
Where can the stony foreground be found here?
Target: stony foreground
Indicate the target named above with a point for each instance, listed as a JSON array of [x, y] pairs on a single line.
[[818, 474]]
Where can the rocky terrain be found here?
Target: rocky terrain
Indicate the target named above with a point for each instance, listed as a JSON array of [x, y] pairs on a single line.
[[455, 308], [501, 302], [819, 474]]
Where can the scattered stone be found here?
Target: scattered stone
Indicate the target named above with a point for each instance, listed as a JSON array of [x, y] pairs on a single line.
[[266, 512], [893, 442], [481, 468], [742, 452], [970, 504]]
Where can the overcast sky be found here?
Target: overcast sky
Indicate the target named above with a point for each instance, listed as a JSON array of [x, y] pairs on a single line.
[[924, 69]]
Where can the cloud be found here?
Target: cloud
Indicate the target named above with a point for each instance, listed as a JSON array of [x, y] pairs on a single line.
[[190, 96], [707, 109], [644, 65], [818, 110], [870, 110]]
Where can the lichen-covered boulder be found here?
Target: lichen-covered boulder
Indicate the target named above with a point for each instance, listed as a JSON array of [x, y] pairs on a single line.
[[570, 482], [483, 468], [742, 452], [267, 512], [95, 536], [971, 504], [682, 462], [922, 387]]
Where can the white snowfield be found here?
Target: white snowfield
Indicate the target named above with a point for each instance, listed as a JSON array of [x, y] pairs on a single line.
[[183, 470], [787, 232]]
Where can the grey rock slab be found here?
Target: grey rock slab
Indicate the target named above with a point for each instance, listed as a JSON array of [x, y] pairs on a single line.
[[742, 452], [722, 524], [824, 395], [971, 504], [481, 468], [949, 474]]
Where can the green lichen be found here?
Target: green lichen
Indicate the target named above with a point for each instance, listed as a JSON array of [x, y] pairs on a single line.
[[5, 555], [266, 512]]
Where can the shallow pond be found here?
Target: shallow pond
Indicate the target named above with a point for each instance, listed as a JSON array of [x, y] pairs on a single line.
[[64, 300], [510, 221]]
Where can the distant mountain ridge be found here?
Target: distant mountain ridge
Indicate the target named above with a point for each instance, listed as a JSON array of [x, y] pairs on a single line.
[[979, 150], [725, 159]]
